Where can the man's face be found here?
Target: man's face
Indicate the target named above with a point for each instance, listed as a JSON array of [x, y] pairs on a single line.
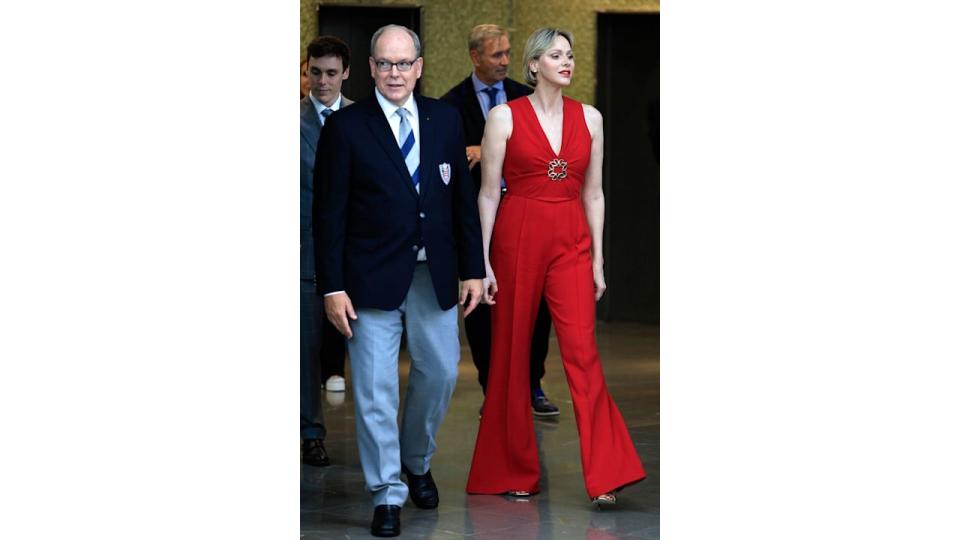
[[491, 65], [326, 76], [395, 46]]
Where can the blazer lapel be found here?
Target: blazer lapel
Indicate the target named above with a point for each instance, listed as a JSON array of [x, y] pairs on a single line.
[[377, 123], [309, 123], [513, 90], [427, 138], [473, 104]]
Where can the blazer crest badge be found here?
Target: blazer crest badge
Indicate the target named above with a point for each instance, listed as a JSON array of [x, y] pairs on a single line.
[[445, 173]]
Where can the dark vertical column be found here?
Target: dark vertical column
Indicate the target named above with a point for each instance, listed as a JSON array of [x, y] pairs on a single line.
[[628, 92]]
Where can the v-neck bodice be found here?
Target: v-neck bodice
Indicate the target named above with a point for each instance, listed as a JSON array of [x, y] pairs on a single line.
[[530, 166], [543, 132]]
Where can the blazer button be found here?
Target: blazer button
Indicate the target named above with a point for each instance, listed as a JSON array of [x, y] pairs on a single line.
[[416, 248], [422, 215]]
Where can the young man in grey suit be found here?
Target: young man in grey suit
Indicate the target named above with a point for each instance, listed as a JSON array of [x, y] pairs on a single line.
[[328, 64], [397, 227]]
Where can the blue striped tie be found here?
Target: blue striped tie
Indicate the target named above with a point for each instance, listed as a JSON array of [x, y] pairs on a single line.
[[324, 114], [409, 146]]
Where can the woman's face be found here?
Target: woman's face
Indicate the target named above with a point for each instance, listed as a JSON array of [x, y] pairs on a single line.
[[556, 63]]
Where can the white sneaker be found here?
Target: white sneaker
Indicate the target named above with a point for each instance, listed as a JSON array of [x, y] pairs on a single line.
[[335, 399], [336, 384]]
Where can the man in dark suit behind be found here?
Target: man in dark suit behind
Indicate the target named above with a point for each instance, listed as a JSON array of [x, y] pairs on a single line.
[[397, 226], [327, 65], [485, 88]]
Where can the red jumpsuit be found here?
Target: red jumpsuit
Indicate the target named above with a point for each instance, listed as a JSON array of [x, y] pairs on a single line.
[[541, 244]]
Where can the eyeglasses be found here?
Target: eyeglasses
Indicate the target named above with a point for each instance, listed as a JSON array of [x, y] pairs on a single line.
[[403, 65]]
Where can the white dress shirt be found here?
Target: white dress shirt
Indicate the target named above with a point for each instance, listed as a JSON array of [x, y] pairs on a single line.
[[320, 106], [390, 111]]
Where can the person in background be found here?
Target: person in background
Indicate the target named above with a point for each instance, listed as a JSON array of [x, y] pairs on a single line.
[[486, 87], [324, 83], [328, 64]]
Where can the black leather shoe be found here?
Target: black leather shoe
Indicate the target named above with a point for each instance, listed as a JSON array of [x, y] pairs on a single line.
[[386, 520], [423, 490], [313, 453], [543, 407]]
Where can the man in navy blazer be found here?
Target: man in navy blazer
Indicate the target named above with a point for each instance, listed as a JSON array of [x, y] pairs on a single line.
[[328, 64], [397, 227], [486, 87]]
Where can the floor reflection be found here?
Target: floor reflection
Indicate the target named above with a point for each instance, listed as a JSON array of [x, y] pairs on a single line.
[[333, 503]]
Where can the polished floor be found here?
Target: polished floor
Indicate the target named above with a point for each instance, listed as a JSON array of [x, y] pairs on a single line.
[[333, 503]]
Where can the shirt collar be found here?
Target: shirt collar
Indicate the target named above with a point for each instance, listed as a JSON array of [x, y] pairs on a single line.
[[479, 86], [389, 109], [320, 106]]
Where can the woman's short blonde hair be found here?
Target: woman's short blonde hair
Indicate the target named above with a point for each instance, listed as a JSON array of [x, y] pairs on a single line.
[[537, 44]]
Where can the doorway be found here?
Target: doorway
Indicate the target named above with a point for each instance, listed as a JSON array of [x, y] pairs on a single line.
[[628, 96]]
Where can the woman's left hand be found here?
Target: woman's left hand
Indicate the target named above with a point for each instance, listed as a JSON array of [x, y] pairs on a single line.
[[599, 283]]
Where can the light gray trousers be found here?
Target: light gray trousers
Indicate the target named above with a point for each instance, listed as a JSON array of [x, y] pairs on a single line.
[[434, 346]]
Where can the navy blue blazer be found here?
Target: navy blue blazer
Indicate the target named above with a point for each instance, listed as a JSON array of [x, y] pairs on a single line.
[[464, 98], [369, 220]]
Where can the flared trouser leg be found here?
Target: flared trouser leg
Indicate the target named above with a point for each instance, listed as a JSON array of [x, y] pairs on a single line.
[[607, 453], [505, 456], [531, 260]]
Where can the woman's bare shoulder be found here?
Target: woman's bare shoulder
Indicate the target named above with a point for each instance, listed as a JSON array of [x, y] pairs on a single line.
[[592, 116], [500, 113]]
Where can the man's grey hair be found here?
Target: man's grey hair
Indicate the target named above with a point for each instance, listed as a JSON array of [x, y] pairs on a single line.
[[382, 29], [537, 44], [481, 33]]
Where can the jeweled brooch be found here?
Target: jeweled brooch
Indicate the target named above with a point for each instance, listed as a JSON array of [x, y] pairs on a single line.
[[557, 169]]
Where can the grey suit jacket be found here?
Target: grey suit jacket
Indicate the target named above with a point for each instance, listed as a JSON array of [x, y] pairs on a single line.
[[309, 135]]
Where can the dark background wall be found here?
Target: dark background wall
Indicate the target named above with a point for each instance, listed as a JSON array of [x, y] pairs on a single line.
[[628, 96]]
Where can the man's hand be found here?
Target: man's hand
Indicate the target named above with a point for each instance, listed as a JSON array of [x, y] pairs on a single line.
[[472, 289], [338, 308], [473, 156]]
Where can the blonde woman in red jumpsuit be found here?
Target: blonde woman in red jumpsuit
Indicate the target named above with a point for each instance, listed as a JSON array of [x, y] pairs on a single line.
[[545, 237]]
